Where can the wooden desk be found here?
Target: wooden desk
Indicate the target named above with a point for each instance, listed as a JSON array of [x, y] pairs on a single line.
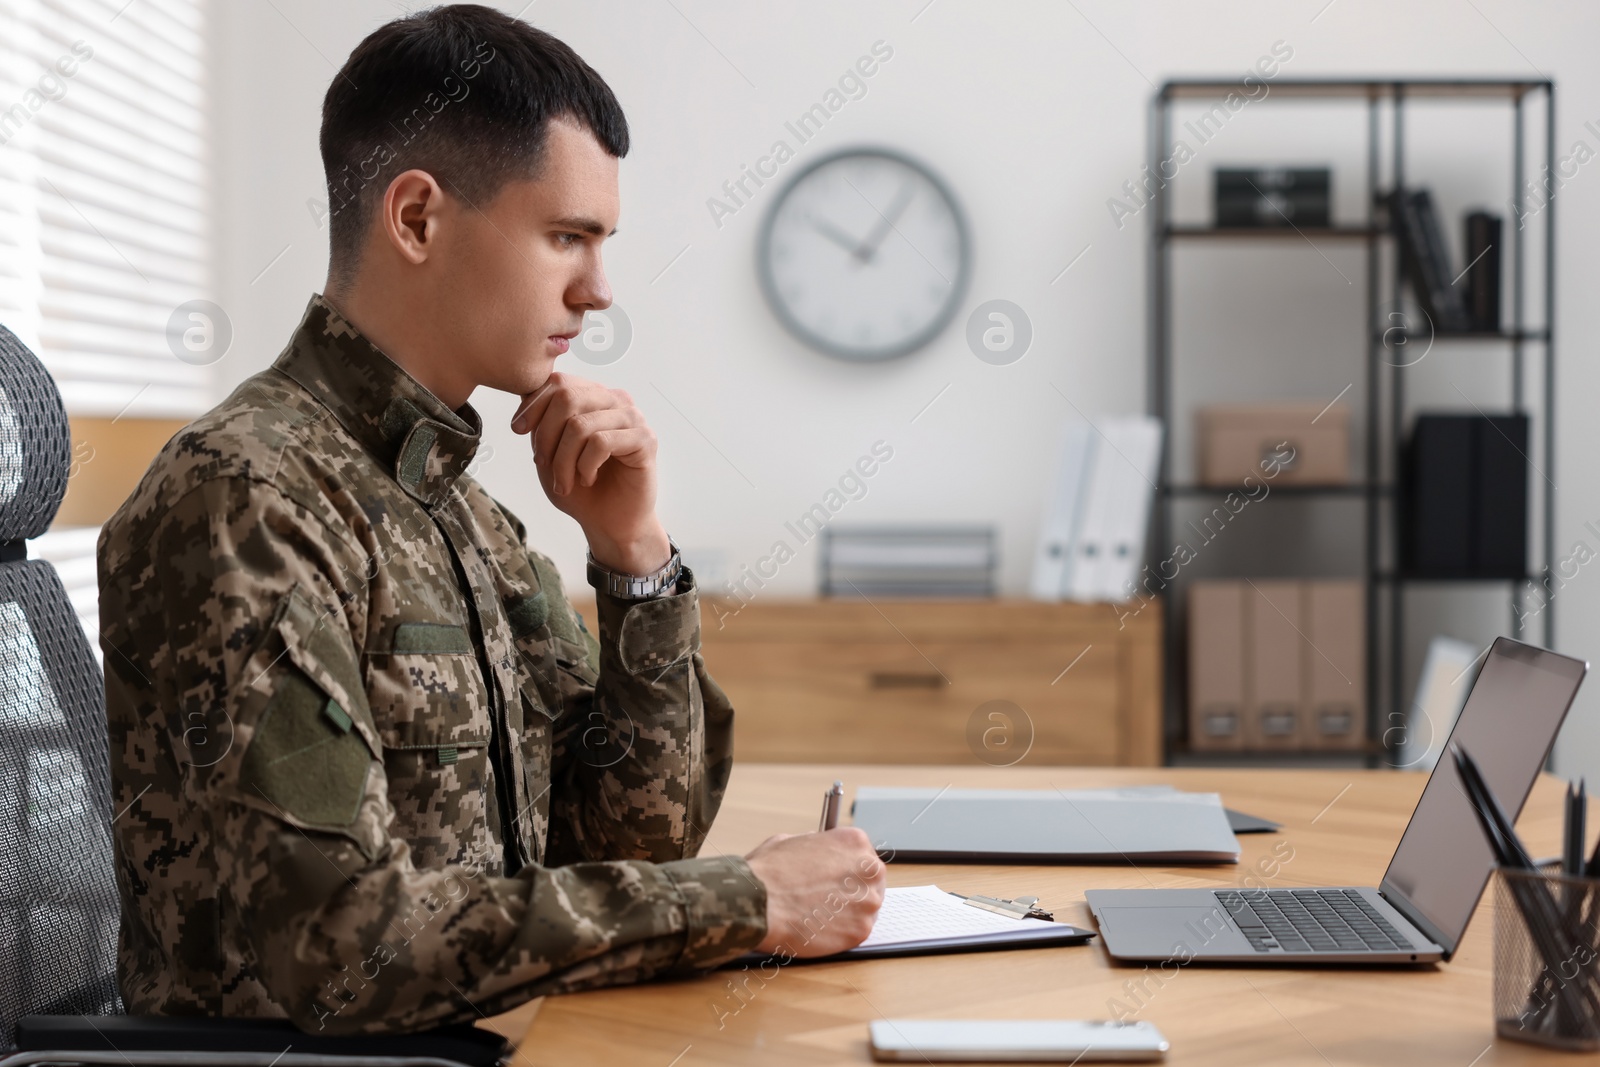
[[1341, 825]]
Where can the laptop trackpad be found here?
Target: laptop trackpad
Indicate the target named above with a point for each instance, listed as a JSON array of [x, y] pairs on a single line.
[[1168, 932]]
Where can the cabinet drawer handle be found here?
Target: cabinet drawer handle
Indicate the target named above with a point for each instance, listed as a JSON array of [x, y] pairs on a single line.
[[904, 680]]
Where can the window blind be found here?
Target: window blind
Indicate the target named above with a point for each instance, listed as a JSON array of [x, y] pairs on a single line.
[[103, 107]]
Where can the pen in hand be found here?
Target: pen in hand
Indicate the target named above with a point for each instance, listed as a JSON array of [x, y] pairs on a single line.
[[832, 800]]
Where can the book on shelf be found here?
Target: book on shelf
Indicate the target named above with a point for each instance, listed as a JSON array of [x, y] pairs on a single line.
[[1425, 260]]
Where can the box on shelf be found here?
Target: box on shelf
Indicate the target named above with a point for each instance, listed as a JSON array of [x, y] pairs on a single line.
[[1277, 665], [1268, 197], [1304, 443]]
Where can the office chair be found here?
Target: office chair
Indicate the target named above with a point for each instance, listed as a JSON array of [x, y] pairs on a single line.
[[59, 1002]]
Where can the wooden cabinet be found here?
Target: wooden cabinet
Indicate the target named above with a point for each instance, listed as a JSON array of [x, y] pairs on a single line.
[[955, 682]]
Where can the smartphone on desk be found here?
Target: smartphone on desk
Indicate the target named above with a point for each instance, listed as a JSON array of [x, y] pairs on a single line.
[[1016, 1040]]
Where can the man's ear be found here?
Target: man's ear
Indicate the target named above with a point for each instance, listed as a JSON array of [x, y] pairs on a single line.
[[410, 214]]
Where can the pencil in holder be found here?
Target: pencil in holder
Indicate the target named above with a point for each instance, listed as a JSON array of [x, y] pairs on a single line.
[[1546, 961]]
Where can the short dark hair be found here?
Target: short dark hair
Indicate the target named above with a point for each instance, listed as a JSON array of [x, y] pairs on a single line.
[[463, 92]]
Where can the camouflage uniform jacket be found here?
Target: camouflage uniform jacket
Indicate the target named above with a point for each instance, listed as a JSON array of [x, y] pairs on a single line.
[[373, 772]]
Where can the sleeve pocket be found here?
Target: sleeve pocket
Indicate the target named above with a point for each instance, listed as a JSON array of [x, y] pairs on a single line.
[[305, 757]]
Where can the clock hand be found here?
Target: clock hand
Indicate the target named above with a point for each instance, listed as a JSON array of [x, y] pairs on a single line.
[[869, 247], [836, 235]]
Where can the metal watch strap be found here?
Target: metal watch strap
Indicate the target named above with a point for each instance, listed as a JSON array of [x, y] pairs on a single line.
[[637, 587]]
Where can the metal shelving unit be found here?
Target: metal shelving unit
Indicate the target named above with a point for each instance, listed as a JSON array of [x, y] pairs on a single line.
[[1524, 340]]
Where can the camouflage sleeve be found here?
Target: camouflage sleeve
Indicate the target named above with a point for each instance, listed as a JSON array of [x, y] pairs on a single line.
[[643, 755], [262, 599]]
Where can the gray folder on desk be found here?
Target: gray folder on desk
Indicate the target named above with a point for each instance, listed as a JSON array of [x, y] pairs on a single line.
[[1045, 826]]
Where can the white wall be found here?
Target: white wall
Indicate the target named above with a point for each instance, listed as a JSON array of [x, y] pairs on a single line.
[[1035, 113]]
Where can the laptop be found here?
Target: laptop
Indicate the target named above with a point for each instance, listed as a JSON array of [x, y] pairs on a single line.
[[1420, 910]]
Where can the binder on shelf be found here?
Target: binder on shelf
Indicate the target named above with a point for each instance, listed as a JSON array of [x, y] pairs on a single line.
[[1335, 658], [1063, 510], [1086, 570], [1274, 712], [1133, 451], [1482, 247], [1437, 538], [1500, 500], [1465, 496], [1091, 544], [1216, 665]]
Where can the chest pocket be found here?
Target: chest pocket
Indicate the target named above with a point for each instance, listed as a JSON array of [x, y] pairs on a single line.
[[431, 709]]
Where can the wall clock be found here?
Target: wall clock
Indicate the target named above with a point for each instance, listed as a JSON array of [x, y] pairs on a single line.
[[865, 255]]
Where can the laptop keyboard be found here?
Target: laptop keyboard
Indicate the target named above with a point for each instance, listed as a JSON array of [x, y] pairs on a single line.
[[1311, 920]]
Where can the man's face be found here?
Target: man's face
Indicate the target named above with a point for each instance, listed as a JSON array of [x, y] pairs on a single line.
[[521, 269]]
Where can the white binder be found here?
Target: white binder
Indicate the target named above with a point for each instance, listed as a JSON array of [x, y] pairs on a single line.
[[1063, 506], [1132, 449], [1091, 542]]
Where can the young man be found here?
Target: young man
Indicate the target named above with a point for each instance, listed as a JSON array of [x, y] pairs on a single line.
[[375, 773]]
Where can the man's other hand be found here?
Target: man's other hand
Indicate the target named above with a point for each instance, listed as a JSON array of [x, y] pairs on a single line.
[[596, 458], [823, 890]]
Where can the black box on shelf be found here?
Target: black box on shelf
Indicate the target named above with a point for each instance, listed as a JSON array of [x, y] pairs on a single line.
[[1268, 197], [1464, 497]]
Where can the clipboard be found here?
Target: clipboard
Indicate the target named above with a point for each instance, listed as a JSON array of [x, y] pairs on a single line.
[[925, 921]]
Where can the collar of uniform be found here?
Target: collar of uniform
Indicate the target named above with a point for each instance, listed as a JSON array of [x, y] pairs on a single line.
[[423, 443]]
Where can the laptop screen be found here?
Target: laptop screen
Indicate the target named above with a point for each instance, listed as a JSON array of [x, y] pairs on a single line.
[[1508, 724]]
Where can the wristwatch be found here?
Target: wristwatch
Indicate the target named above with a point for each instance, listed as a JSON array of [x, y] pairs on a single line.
[[634, 586]]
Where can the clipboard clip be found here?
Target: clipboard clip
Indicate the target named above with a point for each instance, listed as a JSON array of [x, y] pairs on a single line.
[[1018, 908]]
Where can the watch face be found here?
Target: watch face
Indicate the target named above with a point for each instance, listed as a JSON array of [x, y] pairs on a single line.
[[865, 255]]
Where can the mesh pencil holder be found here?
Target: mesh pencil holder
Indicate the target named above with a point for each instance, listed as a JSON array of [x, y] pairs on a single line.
[[1546, 960]]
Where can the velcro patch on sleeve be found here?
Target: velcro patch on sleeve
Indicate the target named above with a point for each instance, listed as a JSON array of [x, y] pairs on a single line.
[[300, 759]]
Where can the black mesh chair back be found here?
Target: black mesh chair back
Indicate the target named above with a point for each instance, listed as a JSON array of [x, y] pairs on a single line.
[[58, 895]]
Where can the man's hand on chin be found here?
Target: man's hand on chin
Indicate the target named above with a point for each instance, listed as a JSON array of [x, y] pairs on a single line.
[[596, 459]]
